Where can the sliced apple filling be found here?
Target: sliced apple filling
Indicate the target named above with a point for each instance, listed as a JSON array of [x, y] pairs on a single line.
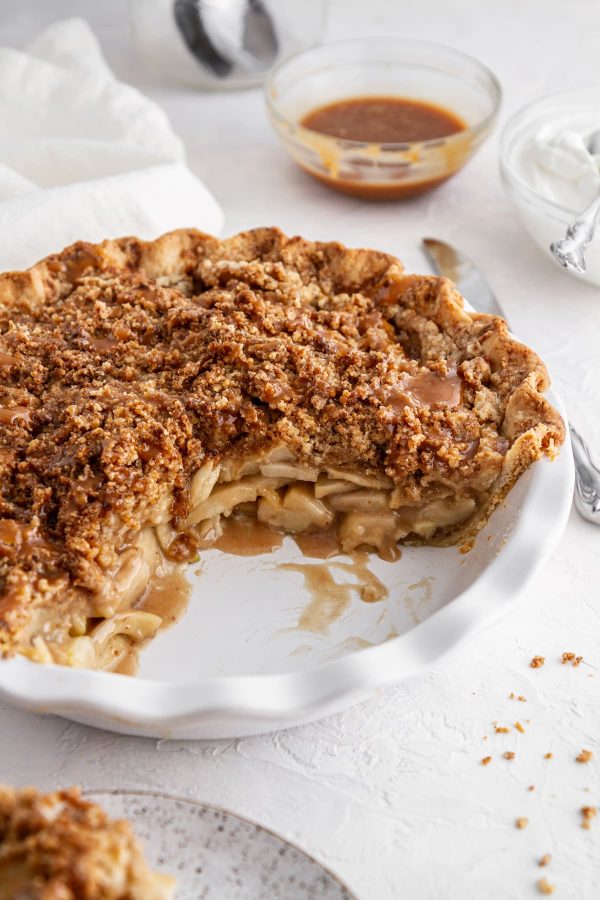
[[276, 491]]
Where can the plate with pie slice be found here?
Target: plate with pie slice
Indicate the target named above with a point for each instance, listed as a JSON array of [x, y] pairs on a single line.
[[247, 482], [214, 854]]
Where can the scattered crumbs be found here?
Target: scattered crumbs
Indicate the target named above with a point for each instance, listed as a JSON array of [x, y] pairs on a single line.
[[485, 737], [544, 886], [531, 787], [486, 760], [511, 696], [548, 755], [509, 754], [519, 727], [584, 756], [522, 698], [544, 860], [571, 658], [588, 813], [522, 822], [537, 662], [501, 729]]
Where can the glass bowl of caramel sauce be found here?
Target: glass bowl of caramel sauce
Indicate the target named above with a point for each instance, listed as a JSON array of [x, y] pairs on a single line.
[[380, 118]]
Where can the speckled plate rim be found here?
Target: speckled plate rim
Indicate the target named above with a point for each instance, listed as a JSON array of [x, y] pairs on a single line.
[[232, 706], [95, 794]]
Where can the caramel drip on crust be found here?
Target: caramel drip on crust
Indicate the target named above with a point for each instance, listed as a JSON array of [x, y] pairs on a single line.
[[15, 414]]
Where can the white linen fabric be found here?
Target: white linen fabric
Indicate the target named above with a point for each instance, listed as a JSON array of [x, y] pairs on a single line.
[[84, 156]]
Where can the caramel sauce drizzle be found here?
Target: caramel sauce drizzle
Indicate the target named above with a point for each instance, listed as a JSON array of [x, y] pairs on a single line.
[[10, 415], [18, 537], [244, 536], [329, 598]]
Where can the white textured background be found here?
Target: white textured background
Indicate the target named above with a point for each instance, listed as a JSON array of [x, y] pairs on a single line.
[[392, 794]]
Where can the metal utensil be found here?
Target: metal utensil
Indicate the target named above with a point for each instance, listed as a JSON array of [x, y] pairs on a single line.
[[448, 261], [570, 250], [227, 34]]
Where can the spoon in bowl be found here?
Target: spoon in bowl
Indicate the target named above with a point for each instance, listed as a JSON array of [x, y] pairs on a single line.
[[570, 250]]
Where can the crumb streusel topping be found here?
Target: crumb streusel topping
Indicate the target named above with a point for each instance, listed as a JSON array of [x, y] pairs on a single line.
[[125, 365], [58, 846]]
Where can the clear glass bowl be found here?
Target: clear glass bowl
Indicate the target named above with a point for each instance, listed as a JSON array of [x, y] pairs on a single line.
[[381, 67], [544, 219]]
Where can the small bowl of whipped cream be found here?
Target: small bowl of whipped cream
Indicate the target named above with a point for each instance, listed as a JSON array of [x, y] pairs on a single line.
[[549, 170]]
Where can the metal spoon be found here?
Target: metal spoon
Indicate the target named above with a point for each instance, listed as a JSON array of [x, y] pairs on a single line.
[[570, 251], [225, 34], [587, 480]]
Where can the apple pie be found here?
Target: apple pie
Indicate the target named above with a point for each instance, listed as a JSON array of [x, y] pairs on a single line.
[[58, 846], [150, 391]]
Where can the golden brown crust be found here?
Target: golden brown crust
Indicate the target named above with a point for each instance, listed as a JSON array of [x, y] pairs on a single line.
[[125, 364], [58, 846]]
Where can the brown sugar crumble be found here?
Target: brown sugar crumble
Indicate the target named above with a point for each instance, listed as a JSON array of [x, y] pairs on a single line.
[[522, 822], [544, 886], [519, 727], [584, 757], [537, 662], [544, 860], [508, 755], [486, 760], [588, 813]]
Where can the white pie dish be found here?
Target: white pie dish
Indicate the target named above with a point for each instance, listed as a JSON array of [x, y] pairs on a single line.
[[237, 664]]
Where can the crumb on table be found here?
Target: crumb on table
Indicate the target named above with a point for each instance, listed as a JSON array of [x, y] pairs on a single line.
[[544, 886], [548, 755], [501, 729], [486, 760], [519, 727], [588, 813], [572, 658], [509, 754], [522, 822], [531, 787], [544, 860], [584, 756], [537, 662]]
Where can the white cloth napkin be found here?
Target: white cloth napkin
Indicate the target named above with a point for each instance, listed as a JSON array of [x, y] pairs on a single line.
[[83, 156]]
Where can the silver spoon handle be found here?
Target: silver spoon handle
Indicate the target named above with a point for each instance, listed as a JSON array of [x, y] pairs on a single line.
[[570, 251], [587, 479]]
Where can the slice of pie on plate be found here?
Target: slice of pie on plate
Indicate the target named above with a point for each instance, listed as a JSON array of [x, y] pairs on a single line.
[[58, 846], [149, 391]]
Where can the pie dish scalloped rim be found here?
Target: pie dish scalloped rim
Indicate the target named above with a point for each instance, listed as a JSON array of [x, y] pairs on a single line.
[[237, 705]]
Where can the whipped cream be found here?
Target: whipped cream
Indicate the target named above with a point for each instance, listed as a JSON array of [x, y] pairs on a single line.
[[557, 163]]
